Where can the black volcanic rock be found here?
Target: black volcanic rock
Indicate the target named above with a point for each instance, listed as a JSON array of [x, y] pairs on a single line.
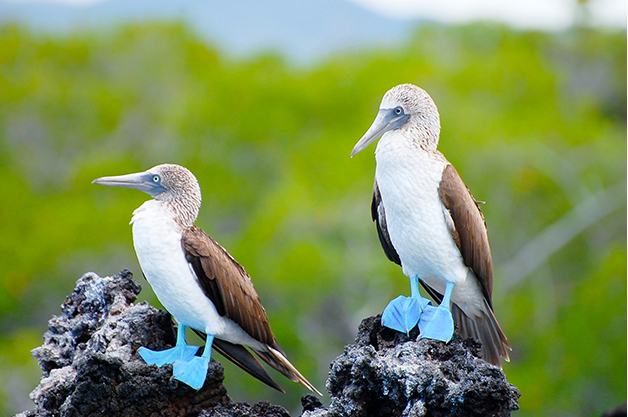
[[91, 368], [386, 373]]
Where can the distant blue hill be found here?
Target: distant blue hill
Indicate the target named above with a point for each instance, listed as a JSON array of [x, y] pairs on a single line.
[[303, 31]]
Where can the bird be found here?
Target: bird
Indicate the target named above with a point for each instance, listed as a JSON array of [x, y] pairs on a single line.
[[429, 223], [202, 286]]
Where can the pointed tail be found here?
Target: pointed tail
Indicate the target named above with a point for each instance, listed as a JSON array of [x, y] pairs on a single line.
[[240, 356], [487, 330], [275, 357]]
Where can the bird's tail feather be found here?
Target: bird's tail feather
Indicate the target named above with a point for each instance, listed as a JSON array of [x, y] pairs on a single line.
[[486, 329], [278, 361], [240, 356]]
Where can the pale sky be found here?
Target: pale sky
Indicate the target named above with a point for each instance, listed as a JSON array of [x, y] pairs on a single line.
[[536, 14], [525, 14]]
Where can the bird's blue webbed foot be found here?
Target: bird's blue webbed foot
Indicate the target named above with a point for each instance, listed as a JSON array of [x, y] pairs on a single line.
[[403, 313], [436, 322], [181, 351], [193, 372], [163, 357]]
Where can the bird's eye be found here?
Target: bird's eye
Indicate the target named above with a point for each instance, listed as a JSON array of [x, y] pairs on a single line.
[[155, 178], [398, 110]]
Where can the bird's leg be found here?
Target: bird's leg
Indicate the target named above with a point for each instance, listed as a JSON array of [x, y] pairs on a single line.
[[414, 286], [403, 313], [181, 351], [436, 322], [194, 371]]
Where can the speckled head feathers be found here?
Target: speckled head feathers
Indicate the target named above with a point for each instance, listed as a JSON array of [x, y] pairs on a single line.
[[183, 192], [424, 121], [409, 110], [171, 184]]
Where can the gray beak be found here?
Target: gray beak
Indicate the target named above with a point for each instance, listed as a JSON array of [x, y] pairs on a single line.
[[386, 120], [144, 181]]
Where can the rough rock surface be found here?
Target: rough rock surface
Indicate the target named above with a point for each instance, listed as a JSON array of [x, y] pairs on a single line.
[[386, 373], [91, 368]]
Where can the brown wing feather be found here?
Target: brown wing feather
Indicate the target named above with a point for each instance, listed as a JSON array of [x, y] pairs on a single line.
[[469, 232], [472, 237], [379, 217], [227, 284]]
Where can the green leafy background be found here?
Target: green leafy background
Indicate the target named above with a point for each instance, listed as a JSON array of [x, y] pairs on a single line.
[[534, 122]]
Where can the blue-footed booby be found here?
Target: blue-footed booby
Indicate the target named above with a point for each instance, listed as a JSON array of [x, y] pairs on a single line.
[[429, 223], [198, 282]]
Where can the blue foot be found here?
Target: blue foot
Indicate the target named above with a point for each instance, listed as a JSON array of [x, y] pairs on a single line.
[[403, 313], [181, 352], [163, 357], [192, 372], [436, 322]]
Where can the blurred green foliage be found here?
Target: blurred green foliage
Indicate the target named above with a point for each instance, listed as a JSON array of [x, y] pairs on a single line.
[[535, 123]]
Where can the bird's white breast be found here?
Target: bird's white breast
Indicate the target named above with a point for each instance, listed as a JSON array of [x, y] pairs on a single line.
[[408, 179], [157, 241]]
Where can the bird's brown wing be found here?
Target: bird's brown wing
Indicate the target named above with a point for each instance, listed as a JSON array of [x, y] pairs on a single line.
[[469, 232], [227, 284], [379, 217], [469, 229]]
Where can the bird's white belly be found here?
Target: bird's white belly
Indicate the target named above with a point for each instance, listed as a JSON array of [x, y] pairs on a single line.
[[415, 217], [157, 242], [408, 182]]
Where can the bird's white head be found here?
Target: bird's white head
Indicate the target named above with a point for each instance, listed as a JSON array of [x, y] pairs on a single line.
[[409, 108], [172, 184]]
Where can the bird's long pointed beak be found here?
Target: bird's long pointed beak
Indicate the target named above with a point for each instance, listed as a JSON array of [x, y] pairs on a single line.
[[143, 181], [386, 120], [377, 129]]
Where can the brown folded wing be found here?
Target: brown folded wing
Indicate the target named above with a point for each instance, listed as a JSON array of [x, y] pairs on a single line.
[[227, 284], [379, 217], [469, 229]]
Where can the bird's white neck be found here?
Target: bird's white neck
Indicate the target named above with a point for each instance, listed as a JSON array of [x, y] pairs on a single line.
[[157, 211], [183, 215]]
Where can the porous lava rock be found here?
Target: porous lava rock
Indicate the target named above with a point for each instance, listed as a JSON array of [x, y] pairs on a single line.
[[91, 368], [387, 373]]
